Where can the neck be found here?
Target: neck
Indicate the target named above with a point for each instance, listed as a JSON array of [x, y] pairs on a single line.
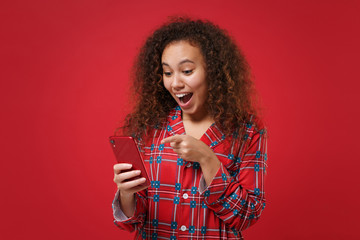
[[196, 125], [203, 116]]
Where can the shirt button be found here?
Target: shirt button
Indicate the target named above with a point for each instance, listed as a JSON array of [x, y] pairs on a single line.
[[183, 228], [188, 165], [185, 196]]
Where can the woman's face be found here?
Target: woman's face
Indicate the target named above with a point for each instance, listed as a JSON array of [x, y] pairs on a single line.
[[184, 77]]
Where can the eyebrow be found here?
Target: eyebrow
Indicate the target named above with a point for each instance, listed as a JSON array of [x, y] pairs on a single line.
[[183, 61]]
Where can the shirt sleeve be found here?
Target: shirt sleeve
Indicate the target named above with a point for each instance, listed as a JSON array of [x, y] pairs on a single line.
[[136, 221], [237, 196]]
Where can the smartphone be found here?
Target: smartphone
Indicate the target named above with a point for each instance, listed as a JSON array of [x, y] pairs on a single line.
[[126, 151]]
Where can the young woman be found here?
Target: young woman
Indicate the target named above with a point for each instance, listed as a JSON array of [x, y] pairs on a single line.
[[203, 144]]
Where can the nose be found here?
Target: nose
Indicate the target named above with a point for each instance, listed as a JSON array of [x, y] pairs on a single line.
[[177, 82]]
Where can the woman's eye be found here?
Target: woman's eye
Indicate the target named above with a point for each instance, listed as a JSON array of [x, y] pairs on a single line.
[[167, 73], [187, 71]]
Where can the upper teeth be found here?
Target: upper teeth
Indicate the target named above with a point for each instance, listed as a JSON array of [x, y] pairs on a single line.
[[181, 95]]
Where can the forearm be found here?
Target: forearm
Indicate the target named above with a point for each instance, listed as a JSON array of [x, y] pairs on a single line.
[[128, 219], [209, 167], [127, 204]]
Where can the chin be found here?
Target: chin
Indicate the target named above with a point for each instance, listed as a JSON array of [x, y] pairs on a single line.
[[191, 111]]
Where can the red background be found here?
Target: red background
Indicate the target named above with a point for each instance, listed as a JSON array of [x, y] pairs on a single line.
[[64, 79]]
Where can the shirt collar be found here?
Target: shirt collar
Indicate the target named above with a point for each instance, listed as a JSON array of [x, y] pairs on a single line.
[[212, 137]]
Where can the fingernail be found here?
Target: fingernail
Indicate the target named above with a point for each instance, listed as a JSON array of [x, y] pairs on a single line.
[[138, 171]]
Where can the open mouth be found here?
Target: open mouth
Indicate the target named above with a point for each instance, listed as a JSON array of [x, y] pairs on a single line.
[[184, 97]]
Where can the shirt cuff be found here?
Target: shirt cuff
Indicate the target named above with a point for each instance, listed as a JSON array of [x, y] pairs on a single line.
[[215, 191], [202, 184], [119, 215]]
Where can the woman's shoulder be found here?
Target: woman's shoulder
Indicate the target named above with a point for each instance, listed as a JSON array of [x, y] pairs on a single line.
[[255, 123], [252, 125]]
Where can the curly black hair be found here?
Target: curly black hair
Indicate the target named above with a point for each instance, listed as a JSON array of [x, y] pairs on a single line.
[[231, 94]]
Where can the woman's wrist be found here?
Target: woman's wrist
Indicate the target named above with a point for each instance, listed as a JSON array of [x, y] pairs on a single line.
[[208, 158], [209, 167], [127, 203], [124, 195]]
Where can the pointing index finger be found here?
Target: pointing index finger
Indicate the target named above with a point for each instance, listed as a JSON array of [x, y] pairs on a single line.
[[176, 138]]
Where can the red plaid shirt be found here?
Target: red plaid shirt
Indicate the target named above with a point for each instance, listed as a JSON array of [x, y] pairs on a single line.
[[178, 205]]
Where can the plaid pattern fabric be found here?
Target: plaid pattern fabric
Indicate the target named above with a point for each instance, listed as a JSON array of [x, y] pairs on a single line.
[[178, 205]]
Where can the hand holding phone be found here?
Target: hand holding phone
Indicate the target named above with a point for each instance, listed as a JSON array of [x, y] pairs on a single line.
[[128, 181], [132, 167], [127, 187]]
